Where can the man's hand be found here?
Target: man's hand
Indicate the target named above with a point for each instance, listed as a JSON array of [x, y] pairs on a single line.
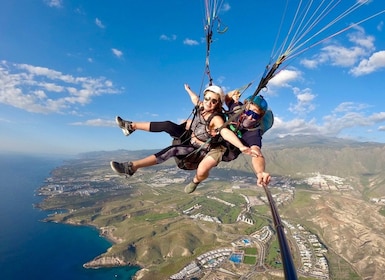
[[263, 179], [247, 151], [251, 152]]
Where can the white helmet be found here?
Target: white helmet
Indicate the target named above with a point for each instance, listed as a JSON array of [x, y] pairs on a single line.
[[218, 90]]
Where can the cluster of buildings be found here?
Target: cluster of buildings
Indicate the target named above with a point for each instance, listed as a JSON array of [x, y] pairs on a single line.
[[327, 182], [221, 201], [200, 216], [378, 200], [207, 218], [214, 259], [209, 260], [245, 219], [264, 234], [312, 252]]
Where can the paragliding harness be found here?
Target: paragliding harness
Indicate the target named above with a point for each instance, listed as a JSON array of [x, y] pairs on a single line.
[[192, 160], [263, 125]]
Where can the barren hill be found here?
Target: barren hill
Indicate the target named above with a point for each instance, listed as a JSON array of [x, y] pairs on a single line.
[[144, 215]]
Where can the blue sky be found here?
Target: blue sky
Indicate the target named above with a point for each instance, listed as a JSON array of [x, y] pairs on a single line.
[[67, 68]]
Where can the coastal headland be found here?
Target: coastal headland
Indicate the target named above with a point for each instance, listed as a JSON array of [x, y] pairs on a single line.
[[225, 227]]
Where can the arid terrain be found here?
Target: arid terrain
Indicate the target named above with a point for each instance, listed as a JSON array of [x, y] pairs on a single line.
[[334, 190]]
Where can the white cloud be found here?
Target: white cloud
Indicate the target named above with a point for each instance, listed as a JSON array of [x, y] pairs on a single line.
[[164, 37], [190, 42], [226, 7], [370, 65], [293, 127], [43, 90], [360, 38], [380, 26], [378, 117], [4, 120], [284, 77], [333, 125], [343, 56], [350, 106], [95, 122], [309, 63], [350, 115], [304, 101], [54, 3], [117, 52], [99, 23]]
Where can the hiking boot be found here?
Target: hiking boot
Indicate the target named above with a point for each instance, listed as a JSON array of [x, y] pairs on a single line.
[[126, 126], [190, 188], [122, 168]]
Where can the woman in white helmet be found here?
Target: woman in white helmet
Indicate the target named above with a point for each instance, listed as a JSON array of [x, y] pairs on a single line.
[[205, 127]]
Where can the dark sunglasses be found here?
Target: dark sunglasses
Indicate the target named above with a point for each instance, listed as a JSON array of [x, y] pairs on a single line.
[[212, 100], [253, 114]]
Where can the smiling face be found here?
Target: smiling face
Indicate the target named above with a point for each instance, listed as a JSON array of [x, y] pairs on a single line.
[[253, 111], [251, 115], [211, 101]]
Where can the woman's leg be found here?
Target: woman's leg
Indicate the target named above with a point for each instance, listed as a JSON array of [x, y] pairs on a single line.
[[173, 129], [201, 174], [204, 168], [211, 160], [144, 162], [145, 126], [131, 167]]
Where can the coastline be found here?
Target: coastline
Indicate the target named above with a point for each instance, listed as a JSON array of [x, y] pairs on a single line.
[[61, 247], [108, 261], [102, 261]]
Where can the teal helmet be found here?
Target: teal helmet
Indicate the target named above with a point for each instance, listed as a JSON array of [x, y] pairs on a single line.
[[258, 100]]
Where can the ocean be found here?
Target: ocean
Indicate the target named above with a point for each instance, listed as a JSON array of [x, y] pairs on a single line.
[[31, 249]]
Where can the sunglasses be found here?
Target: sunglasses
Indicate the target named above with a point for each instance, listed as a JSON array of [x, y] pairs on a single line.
[[253, 114], [212, 100]]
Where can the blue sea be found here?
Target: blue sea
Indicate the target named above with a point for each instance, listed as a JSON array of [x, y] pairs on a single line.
[[31, 249]]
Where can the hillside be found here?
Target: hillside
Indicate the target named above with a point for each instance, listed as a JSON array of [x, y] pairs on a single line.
[[144, 214], [293, 156]]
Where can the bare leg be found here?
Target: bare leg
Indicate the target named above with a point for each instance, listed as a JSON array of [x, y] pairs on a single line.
[[202, 173], [128, 127], [130, 167], [141, 126], [204, 168], [144, 162]]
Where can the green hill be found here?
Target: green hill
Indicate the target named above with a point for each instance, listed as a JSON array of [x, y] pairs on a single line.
[[144, 214]]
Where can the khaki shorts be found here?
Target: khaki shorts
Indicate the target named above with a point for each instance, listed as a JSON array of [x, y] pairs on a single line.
[[217, 153]]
